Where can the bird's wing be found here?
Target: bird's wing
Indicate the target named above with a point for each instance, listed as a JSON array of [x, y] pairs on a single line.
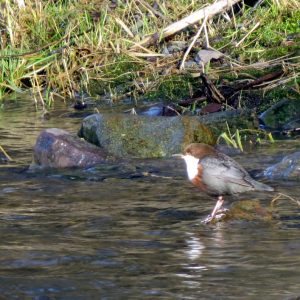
[[225, 169]]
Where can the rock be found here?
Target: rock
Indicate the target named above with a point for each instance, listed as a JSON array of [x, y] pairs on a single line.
[[292, 125], [155, 110], [190, 64], [160, 110], [294, 297], [250, 210], [124, 135], [246, 210], [211, 108], [235, 119], [143, 136], [204, 56], [228, 150], [174, 47], [3, 159], [287, 168], [56, 148], [281, 115]]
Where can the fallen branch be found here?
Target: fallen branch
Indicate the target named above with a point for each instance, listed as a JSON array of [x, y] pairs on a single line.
[[211, 91], [206, 12], [190, 101], [263, 79]]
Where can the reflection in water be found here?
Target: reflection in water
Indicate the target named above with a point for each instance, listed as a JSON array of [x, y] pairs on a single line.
[[195, 247], [113, 232], [193, 268]]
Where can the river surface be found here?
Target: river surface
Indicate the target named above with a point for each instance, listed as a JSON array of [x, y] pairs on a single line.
[[133, 230]]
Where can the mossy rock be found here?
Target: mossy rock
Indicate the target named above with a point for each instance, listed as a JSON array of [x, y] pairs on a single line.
[[142, 136], [124, 135], [234, 119], [246, 210], [281, 114]]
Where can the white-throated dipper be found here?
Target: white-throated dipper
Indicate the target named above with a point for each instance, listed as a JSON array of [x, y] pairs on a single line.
[[217, 174]]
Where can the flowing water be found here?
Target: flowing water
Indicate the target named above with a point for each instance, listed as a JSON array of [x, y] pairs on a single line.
[[133, 230]]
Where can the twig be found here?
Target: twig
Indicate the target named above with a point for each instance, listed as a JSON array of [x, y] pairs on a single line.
[[280, 195], [191, 101], [125, 27], [5, 153], [211, 90], [260, 80], [174, 110], [242, 40], [152, 10], [192, 44], [236, 66]]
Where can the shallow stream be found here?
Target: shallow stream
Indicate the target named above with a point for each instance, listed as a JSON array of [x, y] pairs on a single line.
[[133, 230]]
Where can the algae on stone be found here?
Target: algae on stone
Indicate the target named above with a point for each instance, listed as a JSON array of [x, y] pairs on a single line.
[[142, 136]]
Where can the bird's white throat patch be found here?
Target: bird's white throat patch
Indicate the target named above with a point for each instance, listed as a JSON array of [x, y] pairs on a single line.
[[191, 165]]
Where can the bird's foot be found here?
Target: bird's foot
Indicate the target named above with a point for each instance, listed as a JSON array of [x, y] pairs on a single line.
[[220, 214], [207, 220], [222, 211]]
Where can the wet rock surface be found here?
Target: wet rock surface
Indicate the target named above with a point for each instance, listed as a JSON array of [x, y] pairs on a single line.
[[125, 135], [287, 168], [282, 115], [246, 210], [142, 136], [57, 148], [250, 210]]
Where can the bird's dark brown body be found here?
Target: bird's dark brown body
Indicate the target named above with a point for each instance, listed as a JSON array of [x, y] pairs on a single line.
[[217, 174]]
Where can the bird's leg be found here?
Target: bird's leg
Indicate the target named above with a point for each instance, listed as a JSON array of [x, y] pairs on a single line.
[[217, 206], [215, 210]]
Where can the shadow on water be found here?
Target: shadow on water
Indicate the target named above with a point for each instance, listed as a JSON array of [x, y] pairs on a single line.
[[132, 230]]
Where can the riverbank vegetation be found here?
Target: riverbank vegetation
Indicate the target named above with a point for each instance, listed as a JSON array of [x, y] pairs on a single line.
[[64, 49]]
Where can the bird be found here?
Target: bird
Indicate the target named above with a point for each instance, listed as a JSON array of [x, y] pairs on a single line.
[[217, 174]]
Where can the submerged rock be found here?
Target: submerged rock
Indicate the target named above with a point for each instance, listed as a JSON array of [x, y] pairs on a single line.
[[287, 168], [3, 158], [57, 148]]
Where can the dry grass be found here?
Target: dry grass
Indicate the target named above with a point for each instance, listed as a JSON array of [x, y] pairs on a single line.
[[66, 47]]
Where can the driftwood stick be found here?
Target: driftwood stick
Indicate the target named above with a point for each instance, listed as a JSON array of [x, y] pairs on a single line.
[[260, 80], [208, 11]]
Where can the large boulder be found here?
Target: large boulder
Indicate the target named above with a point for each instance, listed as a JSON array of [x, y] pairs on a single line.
[[143, 136], [56, 148], [155, 136]]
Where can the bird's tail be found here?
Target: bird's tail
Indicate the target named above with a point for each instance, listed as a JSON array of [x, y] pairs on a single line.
[[262, 187]]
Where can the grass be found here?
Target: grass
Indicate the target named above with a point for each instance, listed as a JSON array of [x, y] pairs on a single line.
[[62, 48], [245, 137], [267, 41]]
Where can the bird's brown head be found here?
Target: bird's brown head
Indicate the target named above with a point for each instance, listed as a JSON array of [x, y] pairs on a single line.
[[199, 150]]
